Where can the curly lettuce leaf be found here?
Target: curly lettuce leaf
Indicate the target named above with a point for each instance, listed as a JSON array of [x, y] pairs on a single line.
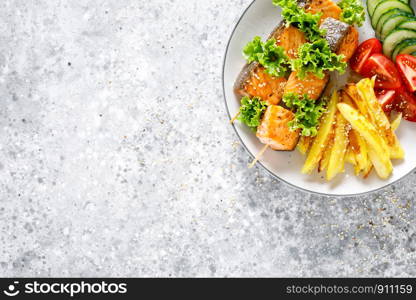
[[269, 55], [295, 15], [352, 12], [316, 58], [307, 113], [251, 111]]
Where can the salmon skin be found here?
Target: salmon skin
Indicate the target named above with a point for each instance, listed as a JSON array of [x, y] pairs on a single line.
[[274, 129], [335, 32], [342, 38]]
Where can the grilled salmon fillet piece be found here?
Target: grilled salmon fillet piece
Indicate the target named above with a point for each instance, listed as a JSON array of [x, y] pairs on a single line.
[[274, 130], [311, 85], [328, 9], [267, 87], [349, 43], [290, 39]]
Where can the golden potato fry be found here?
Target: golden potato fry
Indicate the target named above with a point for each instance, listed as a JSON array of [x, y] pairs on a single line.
[[365, 89], [378, 149], [359, 103], [304, 144], [395, 123], [350, 156], [323, 163], [357, 149], [337, 156], [367, 170], [345, 98], [396, 151], [321, 139], [360, 149]]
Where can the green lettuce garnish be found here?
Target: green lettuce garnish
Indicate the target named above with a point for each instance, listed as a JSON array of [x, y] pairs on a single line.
[[251, 111], [307, 113], [269, 55], [316, 58], [352, 12], [295, 15]]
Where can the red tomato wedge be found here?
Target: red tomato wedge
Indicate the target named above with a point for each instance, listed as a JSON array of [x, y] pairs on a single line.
[[363, 52], [406, 103], [406, 64], [387, 75], [386, 99]]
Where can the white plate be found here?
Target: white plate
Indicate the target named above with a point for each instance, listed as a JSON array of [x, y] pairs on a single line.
[[259, 19]]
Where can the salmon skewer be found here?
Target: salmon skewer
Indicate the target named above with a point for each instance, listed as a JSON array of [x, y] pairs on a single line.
[[274, 130], [253, 81], [343, 39]]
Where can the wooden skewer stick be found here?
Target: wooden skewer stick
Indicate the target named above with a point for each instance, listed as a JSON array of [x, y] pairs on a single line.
[[258, 156], [234, 118]]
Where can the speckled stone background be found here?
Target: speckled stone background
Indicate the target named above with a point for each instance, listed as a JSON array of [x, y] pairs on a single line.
[[116, 158]]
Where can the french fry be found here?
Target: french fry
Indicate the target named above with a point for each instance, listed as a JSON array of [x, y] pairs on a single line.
[[395, 123], [360, 149], [352, 92], [350, 156], [337, 156], [357, 143], [323, 163], [304, 144], [368, 168], [397, 151], [365, 89], [322, 138], [378, 149], [345, 98], [364, 164]]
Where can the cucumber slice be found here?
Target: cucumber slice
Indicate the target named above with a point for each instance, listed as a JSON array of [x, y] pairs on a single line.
[[386, 16], [410, 23], [388, 5], [395, 37], [391, 24], [371, 6], [405, 47]]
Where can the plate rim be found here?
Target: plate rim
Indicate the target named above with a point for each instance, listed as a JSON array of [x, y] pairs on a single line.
[[275, 176]]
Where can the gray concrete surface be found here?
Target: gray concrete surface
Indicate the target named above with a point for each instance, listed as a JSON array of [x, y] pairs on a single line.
[[116, 158]]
